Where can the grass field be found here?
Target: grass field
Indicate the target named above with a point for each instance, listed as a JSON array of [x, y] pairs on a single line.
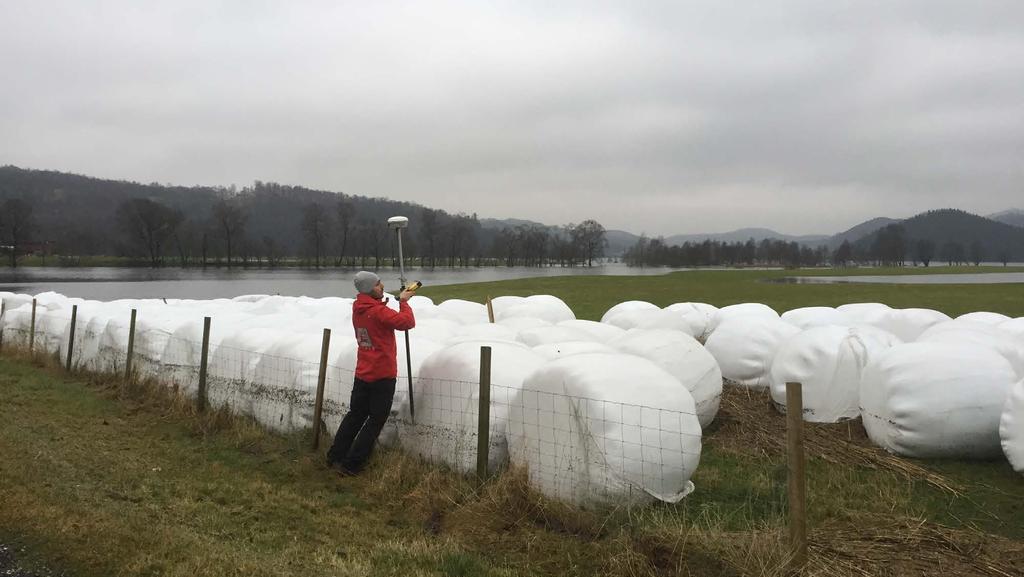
[[103, 480], [590, 297]]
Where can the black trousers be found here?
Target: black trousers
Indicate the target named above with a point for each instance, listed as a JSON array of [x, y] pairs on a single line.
[[367, 412]]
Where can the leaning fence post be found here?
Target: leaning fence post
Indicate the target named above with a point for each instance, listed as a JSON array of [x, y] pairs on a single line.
[[320, 382], [797, 485], [484, 422], [32, 330], [490, 311], [201, 394], [131, 348], [71, 336]]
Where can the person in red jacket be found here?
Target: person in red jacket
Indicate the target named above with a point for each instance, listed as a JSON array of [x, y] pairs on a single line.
[[376, 372]]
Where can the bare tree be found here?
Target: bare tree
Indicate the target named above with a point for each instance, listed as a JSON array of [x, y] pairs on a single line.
[[589, 237], [315, 225], [15, 226], [345, 214], [149, 224], [430, 232], [230, 218]]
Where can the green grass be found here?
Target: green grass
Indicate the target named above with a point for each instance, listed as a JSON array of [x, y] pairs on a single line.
[[590, 297]]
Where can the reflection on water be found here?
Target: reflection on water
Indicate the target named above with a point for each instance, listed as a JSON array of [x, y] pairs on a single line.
[[969, 278], [110, 283]]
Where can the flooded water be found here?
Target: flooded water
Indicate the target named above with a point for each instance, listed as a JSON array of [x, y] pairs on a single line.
[[969, 278], [109, 283]]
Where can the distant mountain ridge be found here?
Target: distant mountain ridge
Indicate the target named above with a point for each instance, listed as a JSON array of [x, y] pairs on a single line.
[[996, 240], [1012, 217]]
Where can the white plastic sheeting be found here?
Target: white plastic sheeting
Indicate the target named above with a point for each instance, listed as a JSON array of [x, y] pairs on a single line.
[[828, 362], [757, 310], [808, 317], [929, 400], [467, 312], [553, 334], [546, 307], [605, 427], [685, 359], [627, 306], [984, 317], [651, 319], [568, 348], [697, 316], [908, 324], [602, 332], [745, 346], [965, 331], [864, 313], [447, 403], [1011, 427]]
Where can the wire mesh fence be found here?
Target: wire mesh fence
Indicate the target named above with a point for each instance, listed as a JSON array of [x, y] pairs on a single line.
[[573, 447]]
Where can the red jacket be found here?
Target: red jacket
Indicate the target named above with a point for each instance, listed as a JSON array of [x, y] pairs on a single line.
[[375, 325]]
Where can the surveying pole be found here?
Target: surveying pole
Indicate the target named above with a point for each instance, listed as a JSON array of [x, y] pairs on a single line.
[[398, 223]]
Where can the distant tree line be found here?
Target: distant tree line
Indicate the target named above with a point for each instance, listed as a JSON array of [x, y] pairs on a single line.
[[767, 252], [266, 224], [889, 246]]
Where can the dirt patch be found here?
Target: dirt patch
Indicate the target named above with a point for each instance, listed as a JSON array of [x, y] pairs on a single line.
[[747, 422]]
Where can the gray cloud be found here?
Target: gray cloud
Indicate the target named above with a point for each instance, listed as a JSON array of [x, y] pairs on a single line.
[[661, 117]]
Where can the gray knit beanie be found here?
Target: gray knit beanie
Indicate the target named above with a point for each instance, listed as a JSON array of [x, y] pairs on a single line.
[[365, 281]]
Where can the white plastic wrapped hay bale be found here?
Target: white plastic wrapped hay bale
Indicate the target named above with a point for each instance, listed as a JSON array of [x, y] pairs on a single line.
[[936, 400], [586, 429], [697, 315], [756, 310], [602, 332], [466, 312], [828, 362], [864, 313], [1011, 427], [626, 307], [446, 395], [807, 317], [553, 334], [521, 323], [908, 324], [984, 317], [436, 329], [488, 331], [651, 319], [553, 351], [685, 359], [17, 320], [1014, 326], [971, 332], [546, 307], [745, 347]]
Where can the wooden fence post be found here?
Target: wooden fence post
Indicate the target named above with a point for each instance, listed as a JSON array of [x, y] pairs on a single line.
[[797, 484], [321, 381], [490, 310], [131, 348], [32, 330], [3, 309], [483, 439], [71, 336], [201, 393]]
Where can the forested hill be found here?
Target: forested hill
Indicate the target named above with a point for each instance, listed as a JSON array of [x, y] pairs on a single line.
[[79, 215], [950, 235]]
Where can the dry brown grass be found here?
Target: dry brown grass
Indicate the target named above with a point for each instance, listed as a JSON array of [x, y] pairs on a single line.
[[747, 423]]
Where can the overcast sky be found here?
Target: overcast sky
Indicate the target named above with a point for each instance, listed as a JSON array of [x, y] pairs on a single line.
[[673, 117]]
